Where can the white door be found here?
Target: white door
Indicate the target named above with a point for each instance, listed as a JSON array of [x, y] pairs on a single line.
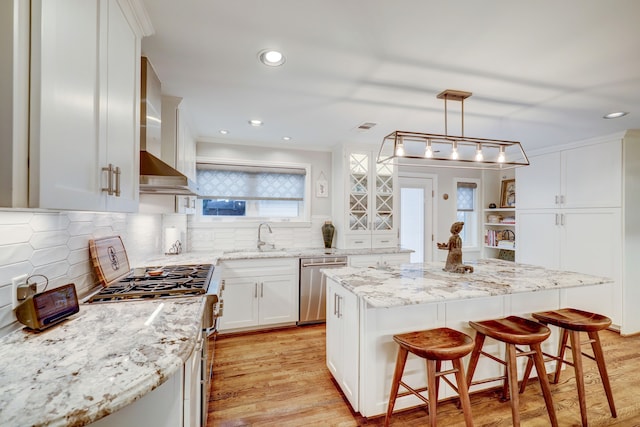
[[416, 217]]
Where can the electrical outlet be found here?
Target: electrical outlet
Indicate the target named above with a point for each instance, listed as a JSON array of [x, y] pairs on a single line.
[[17, 281]]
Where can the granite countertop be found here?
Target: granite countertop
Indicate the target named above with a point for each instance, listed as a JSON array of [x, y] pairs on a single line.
[[419, 283], [96, 362], [239, 254]]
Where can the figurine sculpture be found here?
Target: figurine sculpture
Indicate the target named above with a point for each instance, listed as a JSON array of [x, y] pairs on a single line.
[[454, 258]]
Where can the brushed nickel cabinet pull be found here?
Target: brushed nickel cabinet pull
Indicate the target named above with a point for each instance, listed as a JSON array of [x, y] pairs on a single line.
[[255, 290], [117, 172], [109, 188], [261, 289]]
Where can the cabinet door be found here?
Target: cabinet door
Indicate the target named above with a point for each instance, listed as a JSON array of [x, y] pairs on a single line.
[[278, 299], [591, 244], [538, 185], [342, 349], [383, 193], [122, 108], [64, 123], [333, 332], [592, 176], [240, 303], [348, 314], [538, 238], [359, 191]]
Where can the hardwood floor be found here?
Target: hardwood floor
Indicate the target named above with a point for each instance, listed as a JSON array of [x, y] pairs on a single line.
[[279, 378]]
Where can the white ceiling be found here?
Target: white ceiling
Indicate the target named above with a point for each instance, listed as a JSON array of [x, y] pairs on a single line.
[[541, 72]]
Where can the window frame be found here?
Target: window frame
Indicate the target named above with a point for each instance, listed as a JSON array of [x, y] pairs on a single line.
[[306, 204], [477, 212]]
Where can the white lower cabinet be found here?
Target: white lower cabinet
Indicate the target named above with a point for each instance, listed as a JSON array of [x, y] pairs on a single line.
[[259, 293], [342, 340], [582, 240]]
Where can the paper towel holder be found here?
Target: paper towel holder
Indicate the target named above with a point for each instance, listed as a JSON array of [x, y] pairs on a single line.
[[172, 243]]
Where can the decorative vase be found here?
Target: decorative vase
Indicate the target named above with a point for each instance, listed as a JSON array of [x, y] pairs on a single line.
[[328, 230]]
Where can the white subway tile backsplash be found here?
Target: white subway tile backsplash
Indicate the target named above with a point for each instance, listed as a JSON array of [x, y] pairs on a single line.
[[50, 255], [47, 239], [77, 228], [78, 255], [9, 271], [52, 271], [49, 221], [11, 216], [15, 233], [79, 242], [10, 254], [56, 244]]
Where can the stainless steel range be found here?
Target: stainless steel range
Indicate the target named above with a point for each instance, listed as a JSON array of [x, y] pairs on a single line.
[[159, 282], [121, 284]]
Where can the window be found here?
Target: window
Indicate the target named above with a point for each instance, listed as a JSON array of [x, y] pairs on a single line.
[[252, 191], [467, 211]]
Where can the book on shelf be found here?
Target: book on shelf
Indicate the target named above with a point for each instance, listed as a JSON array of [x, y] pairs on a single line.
[[499, 239]]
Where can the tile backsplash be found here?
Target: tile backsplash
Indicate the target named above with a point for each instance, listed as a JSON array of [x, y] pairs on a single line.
[[56, 244]]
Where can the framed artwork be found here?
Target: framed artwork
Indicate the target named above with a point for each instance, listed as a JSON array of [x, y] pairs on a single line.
[[508, 193], [322, 188]]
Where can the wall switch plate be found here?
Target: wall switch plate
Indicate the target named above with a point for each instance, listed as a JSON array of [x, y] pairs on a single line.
[[17, 281]]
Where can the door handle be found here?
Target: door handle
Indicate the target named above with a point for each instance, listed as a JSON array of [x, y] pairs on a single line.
[[255, 290], [261, 289]]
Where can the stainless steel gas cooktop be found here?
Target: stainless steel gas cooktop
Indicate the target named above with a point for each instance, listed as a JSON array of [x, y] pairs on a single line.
[[163, 282]]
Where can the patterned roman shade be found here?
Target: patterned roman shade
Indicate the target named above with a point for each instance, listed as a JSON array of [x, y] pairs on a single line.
[[250, 183], [465, 196]]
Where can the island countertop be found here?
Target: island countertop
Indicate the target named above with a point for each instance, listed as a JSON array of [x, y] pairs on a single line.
[[420, 283], [96, 362]]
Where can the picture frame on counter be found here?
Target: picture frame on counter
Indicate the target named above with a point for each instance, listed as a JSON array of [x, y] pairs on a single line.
[[508, 193]]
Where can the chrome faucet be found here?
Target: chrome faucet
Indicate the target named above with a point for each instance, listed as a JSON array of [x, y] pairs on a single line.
[[260, 242]]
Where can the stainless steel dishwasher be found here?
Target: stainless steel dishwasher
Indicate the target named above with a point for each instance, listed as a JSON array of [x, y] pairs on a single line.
[[313, 287]]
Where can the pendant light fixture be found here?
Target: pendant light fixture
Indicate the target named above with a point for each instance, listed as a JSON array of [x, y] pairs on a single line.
[[424, 149]]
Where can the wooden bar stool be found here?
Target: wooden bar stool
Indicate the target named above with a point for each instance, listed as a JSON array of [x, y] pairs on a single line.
[[434, 345], [572, 322], [513, 331]]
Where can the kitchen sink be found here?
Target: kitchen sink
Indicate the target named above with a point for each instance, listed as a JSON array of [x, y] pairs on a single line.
[[254, 251]]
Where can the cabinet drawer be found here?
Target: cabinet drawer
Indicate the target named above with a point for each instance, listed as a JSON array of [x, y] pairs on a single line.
[[387, 241], [358, 242]]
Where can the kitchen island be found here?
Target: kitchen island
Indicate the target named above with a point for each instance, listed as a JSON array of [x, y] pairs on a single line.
[[367, 306], [98, 362]]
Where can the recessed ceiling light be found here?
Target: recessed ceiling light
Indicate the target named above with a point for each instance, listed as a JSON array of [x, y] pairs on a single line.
[[224, 131], [615, 115], [286, 138], [255, 122], [271, 58]]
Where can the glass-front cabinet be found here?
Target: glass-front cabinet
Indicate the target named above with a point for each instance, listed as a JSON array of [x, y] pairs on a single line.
[[368, 201]]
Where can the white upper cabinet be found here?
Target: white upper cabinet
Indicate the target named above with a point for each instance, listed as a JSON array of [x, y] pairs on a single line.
[[84, 106], [587, 176], [179, 147], [365, 211]]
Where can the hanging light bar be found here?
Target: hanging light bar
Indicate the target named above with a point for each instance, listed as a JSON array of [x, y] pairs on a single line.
[[435, 150]]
